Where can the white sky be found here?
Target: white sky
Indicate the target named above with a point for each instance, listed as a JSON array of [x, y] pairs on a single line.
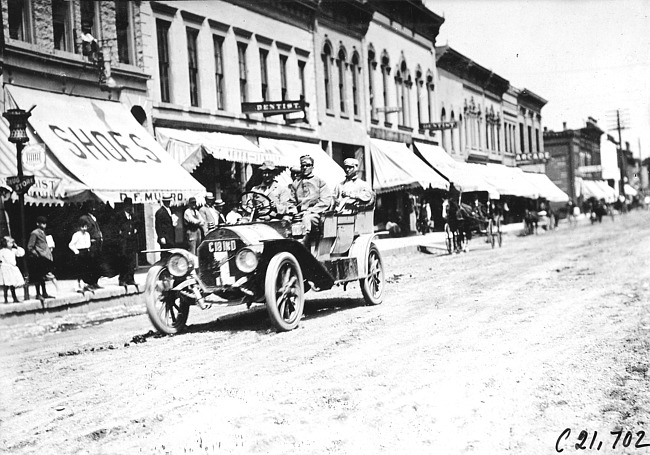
[[586, 57]]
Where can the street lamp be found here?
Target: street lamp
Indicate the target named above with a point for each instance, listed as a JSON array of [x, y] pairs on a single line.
[[18, 135]]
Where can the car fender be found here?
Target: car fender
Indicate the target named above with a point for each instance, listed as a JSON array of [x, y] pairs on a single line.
[[359, 250]]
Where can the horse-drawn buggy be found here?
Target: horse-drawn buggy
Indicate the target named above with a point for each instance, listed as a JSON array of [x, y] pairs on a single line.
[[465, 220], [264, 262]]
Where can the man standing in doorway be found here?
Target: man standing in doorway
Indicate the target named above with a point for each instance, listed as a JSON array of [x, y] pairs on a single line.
[[128, 243], [96, 260], [165, 223]]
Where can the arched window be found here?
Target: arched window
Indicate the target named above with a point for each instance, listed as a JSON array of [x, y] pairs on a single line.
[[443, 118], [430, 89], [399, 96], [340, 64], [385, 71], [452, 133], [327, 74], [372, 63], [354, 69], [418, 94]]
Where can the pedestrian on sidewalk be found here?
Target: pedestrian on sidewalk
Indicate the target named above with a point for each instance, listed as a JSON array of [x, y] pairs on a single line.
[[10, 275], [128, 243], [40, 258], [194, 224], [96, 260], [80, 246]]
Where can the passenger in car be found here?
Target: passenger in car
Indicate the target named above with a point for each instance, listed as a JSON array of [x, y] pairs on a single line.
[[280, 196], [311, 197], [353, 194]]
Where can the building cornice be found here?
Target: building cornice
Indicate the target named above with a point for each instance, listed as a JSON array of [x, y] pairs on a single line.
[[457, 64]]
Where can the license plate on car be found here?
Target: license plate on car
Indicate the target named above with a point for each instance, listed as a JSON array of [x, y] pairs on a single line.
[[219, 246]]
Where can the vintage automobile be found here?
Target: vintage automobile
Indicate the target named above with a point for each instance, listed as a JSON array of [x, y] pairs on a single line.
[[264, 262]]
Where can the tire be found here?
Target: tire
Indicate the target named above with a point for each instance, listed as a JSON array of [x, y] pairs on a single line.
[[168, 310], [449, 239], [284, 291], [372, 287]]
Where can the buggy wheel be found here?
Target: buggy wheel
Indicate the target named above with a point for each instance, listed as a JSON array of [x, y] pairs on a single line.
[[449, 239], [372, 287], [490, 233], [168, 310], [284, 291], [499, 235]]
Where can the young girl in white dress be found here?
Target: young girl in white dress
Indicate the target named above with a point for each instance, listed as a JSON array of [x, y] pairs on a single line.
[[10, 275]]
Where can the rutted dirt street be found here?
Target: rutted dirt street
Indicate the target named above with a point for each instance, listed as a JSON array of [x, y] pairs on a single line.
[[490, 352]]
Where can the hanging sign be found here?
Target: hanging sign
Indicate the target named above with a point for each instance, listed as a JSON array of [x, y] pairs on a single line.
[[34, 157], [273, 107], [20, 184], [437, 126]]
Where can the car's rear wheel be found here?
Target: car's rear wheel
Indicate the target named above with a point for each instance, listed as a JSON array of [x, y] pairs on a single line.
[[284, 291], [168, 310], [372, 286]]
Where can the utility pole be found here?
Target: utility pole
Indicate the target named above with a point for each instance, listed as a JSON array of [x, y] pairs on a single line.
[[619, 153]]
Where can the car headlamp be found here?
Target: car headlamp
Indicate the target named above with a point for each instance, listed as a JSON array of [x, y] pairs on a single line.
[[178, 265], [246, 260]]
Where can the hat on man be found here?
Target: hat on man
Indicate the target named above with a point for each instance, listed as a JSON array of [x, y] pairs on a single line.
[[41, 220], [351, 162], [209, 196], [219, 203], [166, 197], [305, 158], [267, 166], [127, 201], [191, 200]]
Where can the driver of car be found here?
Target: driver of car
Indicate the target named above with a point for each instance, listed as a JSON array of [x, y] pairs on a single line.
[[279, 196], [353, 193], [311, 197]]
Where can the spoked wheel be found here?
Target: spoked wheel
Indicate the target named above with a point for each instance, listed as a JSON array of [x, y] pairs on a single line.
[[372, 287], [490, 233], [449, 239], [284, 291], [168, 310]]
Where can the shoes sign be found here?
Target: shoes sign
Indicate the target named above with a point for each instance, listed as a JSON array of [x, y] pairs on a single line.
[[21, 184]]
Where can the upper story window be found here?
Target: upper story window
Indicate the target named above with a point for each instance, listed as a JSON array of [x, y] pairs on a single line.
[[193, 65], [264, 73], [371, 83], [340, 63], [355, 84], [522, 140], [62, 25], [243, 76], [218, 71], [327, 74], [301, 76], [430, 90], [399, 95], [283, 77], [124, 29], [418, 94], [162, 33], [91, 19], [385, 71], [452, 132], [20, 20]]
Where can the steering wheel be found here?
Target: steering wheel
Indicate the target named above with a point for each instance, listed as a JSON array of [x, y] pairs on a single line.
[[256, 204]]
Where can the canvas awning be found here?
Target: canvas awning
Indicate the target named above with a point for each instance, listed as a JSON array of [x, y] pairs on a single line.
[[395, 167], [189, 147], [547, 189], [99, 147], [463, 176], [288, 153], [589, 189], [507, 180]]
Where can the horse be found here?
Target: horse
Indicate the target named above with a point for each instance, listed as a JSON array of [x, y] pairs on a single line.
[[531, 221], [463, 219]]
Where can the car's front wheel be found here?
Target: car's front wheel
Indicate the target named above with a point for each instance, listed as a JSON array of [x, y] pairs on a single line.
[[168, 310], [284, 291]]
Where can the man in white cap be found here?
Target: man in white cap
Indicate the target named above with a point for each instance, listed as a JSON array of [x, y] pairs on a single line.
[[353, 193], [280, 196], [211, 213], [194, 224], [311, 197]]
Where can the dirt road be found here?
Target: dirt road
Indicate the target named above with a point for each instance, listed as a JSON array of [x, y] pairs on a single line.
[[488, 352]]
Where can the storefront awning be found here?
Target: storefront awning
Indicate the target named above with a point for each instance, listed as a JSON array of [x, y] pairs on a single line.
[[507, 180], [547, 189], [189, 147], [598, 189], [395, 167], [463, 176], [288, 154], [101, 145]]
